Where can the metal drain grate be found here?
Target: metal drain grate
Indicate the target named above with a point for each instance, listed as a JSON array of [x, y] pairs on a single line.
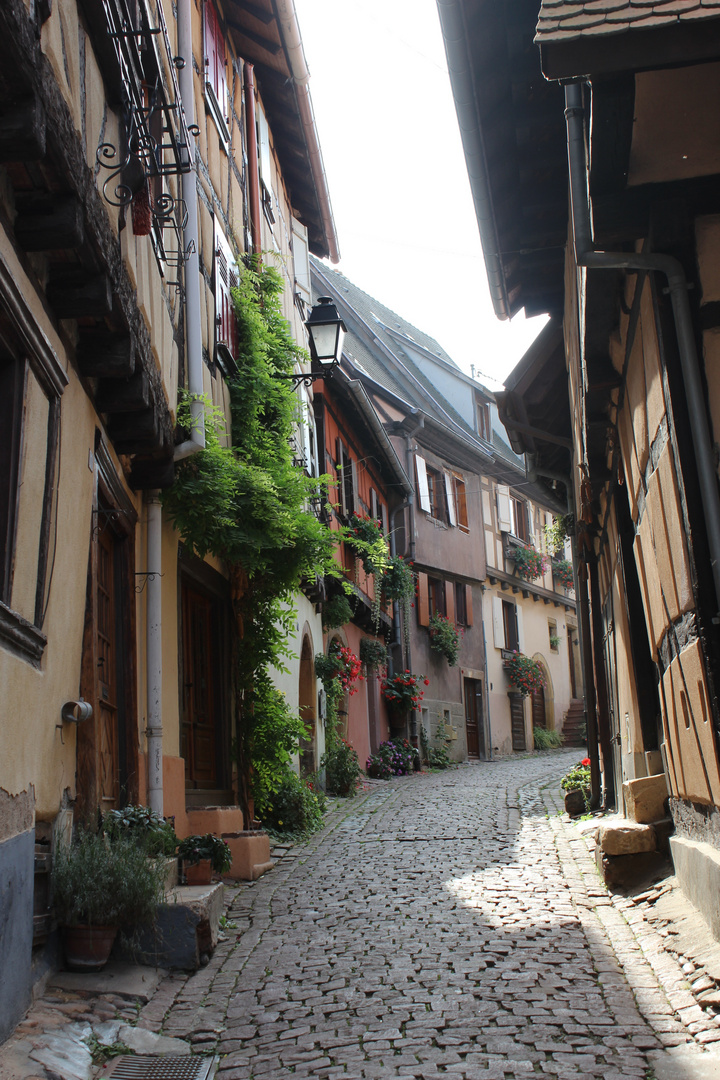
[[169, 1067]]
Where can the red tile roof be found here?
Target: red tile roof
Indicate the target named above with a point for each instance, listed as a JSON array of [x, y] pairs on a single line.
[[562, 20]]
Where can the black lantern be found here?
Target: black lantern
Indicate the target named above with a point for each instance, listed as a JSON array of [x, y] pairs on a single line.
[[326, 331]]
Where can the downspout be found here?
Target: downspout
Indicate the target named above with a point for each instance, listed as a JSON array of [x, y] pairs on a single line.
[[253, 166], [191, 246], [583, 613], [397, 632], [585, 255], [154, 652], [411, 545]]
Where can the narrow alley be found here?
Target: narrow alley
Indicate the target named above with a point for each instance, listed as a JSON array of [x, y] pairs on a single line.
[[444, 924]]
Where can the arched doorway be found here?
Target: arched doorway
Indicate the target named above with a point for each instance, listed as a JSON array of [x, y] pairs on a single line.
[[307, 698], [543, 700]]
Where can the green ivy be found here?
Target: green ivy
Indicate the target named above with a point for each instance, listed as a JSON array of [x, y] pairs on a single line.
[[248, 504]]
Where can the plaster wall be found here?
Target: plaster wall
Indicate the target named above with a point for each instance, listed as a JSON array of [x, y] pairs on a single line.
[[288, 682]]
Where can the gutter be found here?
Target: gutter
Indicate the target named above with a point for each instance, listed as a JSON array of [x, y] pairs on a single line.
[[292, 40], [455, 35], [677, 287]]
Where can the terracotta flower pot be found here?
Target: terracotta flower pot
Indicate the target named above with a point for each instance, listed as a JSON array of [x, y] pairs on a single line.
[[199, 873], [88, 948], [575, 803]]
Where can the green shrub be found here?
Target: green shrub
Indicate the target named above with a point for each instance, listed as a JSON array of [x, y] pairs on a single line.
[[100, 883], [373, 653], [445, 637], [295, 807], [195, 849], [275, 738], [342, 769], [546, 740], [144, 827], [336, 611], [393, 758]]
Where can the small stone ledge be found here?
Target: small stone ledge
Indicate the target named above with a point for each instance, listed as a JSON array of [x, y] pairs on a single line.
[[697, 866]]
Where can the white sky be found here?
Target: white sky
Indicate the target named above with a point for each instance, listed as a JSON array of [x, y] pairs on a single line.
[[398, 184]]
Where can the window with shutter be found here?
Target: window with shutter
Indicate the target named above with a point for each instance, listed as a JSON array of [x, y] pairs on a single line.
[[226, 278], [450, 499], [423, 490], [468, 606], [450, 601], [301, 261], [460, 502], [510, 622], [461, 604], [503, 508], [347, 479], [216, 93], [520, 519]]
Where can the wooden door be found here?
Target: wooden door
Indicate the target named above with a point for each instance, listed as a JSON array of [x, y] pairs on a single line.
[[538, 708], [474, 731], [198, 724], [307, 699], [106, 671], [517, 722]]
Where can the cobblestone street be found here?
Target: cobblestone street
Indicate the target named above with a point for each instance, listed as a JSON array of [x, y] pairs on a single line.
[[439, 925]]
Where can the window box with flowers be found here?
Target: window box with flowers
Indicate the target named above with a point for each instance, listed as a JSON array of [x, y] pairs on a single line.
[[339, 663], [529, 563], [445, 637], [563, 573], [524, 674], [403, 692]]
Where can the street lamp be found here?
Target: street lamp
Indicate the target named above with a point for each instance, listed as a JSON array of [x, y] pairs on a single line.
[[326, 331]]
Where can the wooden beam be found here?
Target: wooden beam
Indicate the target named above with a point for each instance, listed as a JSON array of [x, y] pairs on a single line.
[[150, 473], [123, 396], [53, 225], [104, 355], [22, 131], [134, 432], [90, 298]]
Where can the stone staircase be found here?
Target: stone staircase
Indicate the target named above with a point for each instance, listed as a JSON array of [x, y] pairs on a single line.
[[573, 728]]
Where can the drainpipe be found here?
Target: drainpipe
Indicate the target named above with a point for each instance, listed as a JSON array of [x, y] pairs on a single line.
[[596, 732], [586, 255], [397, 633], [154, 651], [411, 546], [253, 165], [191, 244]]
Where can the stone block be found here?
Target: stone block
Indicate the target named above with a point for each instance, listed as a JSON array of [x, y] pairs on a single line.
[[626, 838], [697, 866], [627, 870], [250, 854], [123, 980], [185, 931], [645, 798]]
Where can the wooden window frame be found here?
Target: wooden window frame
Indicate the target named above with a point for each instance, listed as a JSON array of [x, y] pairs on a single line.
[[437, 599], [460, 497], [215, 78], [510, 625], [226, 278], [520, 523]]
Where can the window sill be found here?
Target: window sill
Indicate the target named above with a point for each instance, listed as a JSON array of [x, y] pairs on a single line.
[[20, 636]]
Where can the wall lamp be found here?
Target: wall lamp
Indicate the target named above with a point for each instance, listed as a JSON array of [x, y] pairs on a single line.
[[326, 331]]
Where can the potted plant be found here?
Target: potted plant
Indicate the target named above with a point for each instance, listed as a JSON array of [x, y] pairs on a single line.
[[373, 653], [340, 663], [203, 856], [529, 563], [524, 674], [563, 572], [403, 692], [445, 637], [576, 785], [98, 886], [150, 831]]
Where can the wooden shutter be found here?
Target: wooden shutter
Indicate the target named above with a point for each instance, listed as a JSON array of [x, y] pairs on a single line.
[[450, 600], [460, 501], [384, 519], [354, 501], [503, 508], [423, 489], [301, 261], [215, 77], [520, 632], [423, 600], [498, 623], [225, 279], [340, 454], [452, 516], [530, 511], [468, 605]]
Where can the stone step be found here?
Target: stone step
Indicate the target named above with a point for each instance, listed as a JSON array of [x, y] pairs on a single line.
[[185, 932]]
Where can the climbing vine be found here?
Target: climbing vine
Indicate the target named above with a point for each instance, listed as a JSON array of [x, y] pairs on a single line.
[[248, 504]]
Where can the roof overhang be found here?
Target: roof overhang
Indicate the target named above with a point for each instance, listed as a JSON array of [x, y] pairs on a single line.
[[266, 33], [512, 127]]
